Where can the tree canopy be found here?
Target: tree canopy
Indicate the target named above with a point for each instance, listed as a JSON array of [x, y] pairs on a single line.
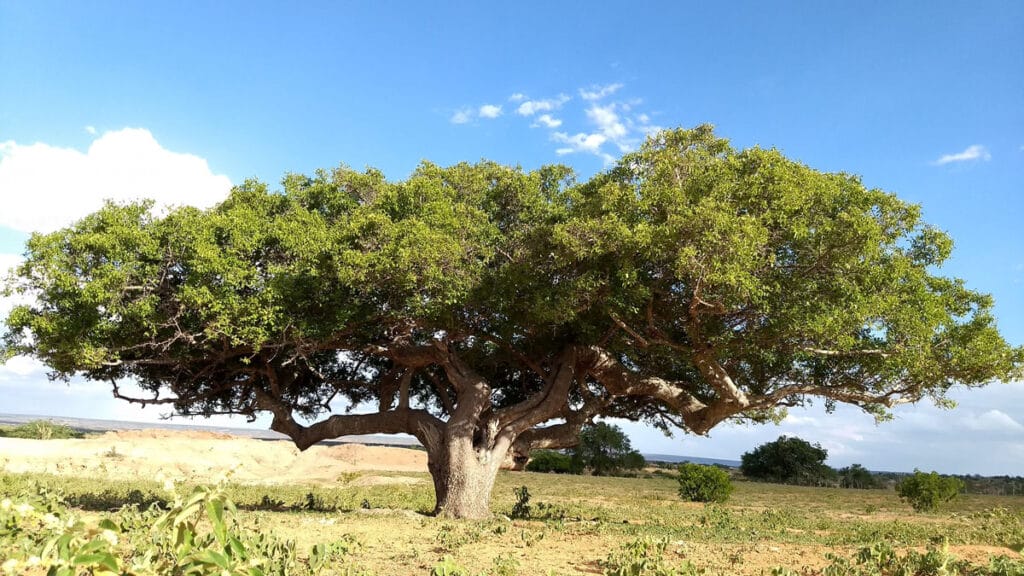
[[605, 450], [788, 460], [482, 307]]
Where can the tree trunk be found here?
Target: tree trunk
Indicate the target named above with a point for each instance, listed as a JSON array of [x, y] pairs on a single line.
[[463, 479]]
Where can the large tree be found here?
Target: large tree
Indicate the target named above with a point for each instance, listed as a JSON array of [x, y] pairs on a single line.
[[487, 310]]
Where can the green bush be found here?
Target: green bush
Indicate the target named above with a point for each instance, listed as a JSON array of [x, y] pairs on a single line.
[[928, 491], [41, 430], [551, 461], [699, 483]]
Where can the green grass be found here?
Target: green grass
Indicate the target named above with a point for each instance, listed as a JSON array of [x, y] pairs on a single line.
[[40, 430], [582, 518]]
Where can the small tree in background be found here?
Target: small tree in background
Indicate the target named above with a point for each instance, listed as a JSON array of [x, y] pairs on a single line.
[[788, 461], [605, 450], [927, 492], [857, 476], [698, 483]]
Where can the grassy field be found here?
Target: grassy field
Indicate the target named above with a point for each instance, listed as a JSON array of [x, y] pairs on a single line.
[[577, 525]]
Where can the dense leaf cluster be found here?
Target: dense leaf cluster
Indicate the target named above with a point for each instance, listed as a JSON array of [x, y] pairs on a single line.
[[699, 483], [928, 491], [788, 460], [485, 308], [605, 450]]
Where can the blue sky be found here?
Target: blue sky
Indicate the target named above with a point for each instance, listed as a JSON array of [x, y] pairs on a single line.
[[178, 100]]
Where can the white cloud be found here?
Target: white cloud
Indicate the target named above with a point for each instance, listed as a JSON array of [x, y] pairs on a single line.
[[579, 142], [993, 421], [46, 187], [20, 367], [974, 152], [547, 121], [599, 92], [462, 116], [531, 107], [90, 130], [490, 111], [608, 122], [794, 420]]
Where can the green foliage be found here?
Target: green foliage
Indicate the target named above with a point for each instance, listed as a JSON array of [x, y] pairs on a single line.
[[857, 476], [524, 510], [687, 281], [41, 430], [880, 559], [448, 567], [551, 461], [644, 557], [926, 492], [521, 509], [788, 461], [605, 450], [595, 506], [196, 534], [699, 483]]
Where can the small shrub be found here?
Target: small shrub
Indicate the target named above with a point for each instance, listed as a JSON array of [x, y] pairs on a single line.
[[521, 509], [644, 557], [699, 483], [928, 491], [448, 567], [505, 565]]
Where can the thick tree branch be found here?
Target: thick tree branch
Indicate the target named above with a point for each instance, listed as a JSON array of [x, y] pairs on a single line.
[[619, 381], [545, 404], [420, 423]]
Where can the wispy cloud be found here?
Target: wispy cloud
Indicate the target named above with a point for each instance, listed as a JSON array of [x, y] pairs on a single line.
[[461, 116], [611, 124], [971, 153], [467, 114], [599, 92], [489, 111], [547, 121], [91, 130], [531, 107]]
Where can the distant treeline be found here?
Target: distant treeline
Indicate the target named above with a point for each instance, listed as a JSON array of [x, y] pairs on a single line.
[[848, 478]]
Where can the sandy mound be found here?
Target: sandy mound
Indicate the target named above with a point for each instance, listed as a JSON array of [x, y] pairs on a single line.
[[202, 457], [156, 433]]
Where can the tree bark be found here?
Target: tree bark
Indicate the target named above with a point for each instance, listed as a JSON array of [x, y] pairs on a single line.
[[464, 478]]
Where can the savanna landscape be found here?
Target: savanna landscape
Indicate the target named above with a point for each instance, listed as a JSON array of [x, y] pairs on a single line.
[[157, 502], [492, 312], [495, 233]]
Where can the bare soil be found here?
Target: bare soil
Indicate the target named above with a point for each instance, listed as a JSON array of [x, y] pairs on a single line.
[[203, 457]]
